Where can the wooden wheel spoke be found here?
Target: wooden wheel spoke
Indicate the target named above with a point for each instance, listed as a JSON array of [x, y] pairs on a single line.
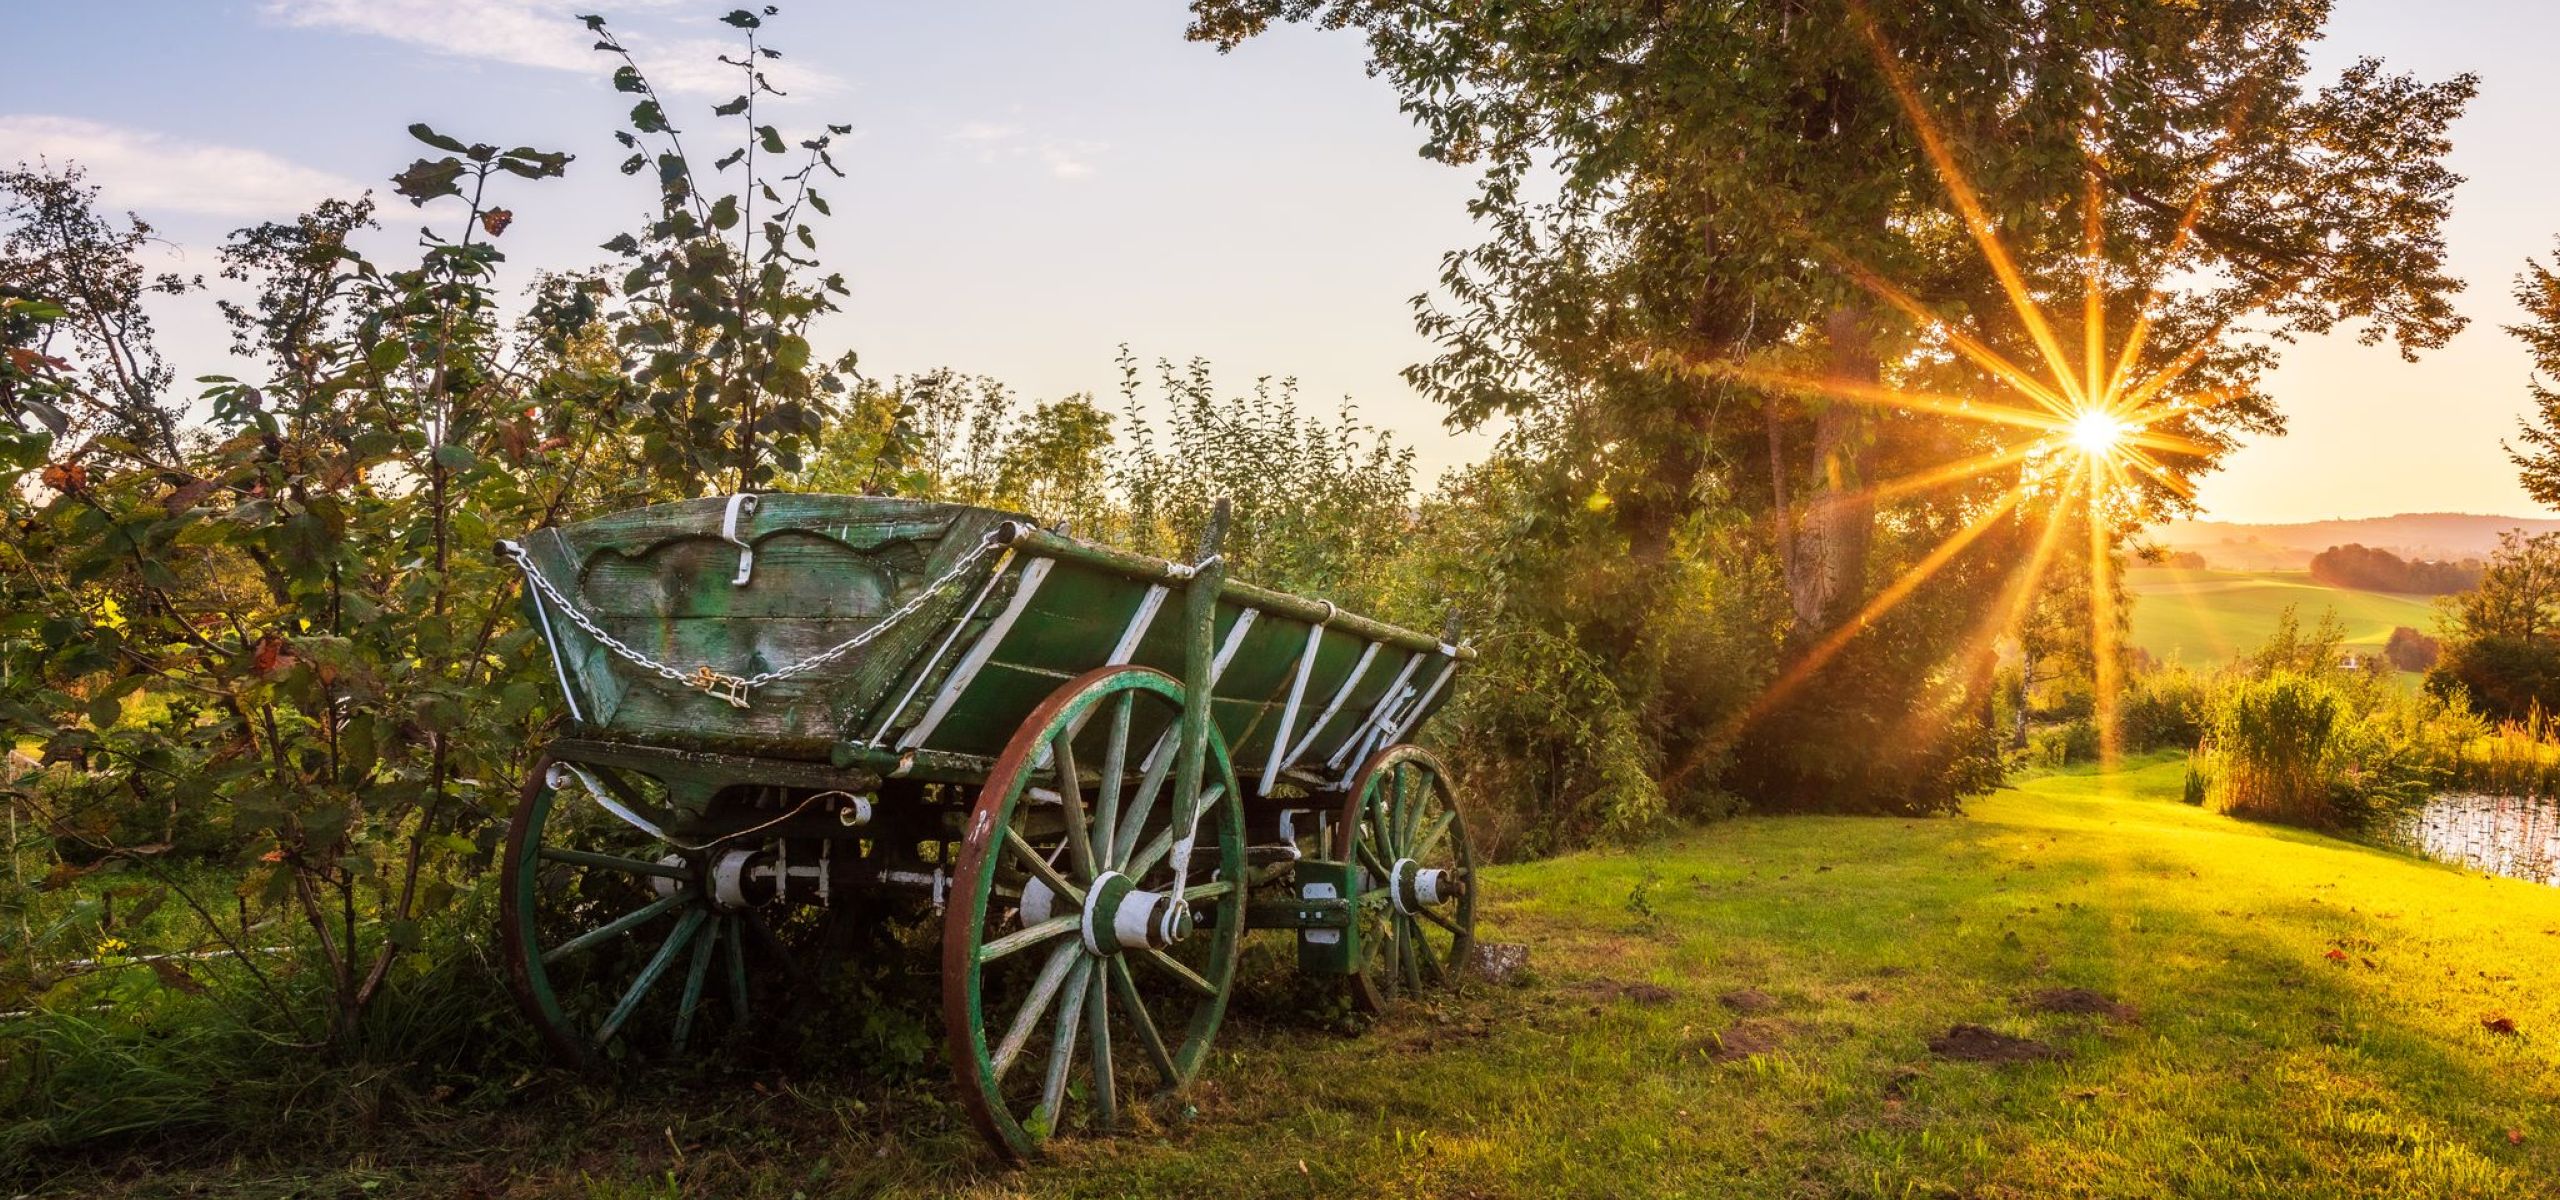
[[1026, 1020], [1071, 797], [1097, 1033], [1430, 958], [1062, 1045], [1174, 967], [1377, 866], [1143, 801], [1432, 836], [1027, 937], [1040, 867], [611, 862], [1147, 857], [737, 944], [657, 966], [1406, 960], [1435, 918], [614, 928], [1115, 763], [1142, 1021], [1207, 891], [694, 976]]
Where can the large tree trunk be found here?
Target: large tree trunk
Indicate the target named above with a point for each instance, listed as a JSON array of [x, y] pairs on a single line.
[[1824, 550]]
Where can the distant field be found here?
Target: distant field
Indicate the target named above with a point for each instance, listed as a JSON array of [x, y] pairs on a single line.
[[2203, 618]]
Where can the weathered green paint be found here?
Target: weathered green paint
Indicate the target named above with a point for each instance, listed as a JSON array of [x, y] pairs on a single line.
[[986, 1031], [827, 567], [1402, 817]]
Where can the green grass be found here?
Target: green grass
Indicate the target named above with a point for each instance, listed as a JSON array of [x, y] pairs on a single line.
[[2250, 1062], [2206, 618]]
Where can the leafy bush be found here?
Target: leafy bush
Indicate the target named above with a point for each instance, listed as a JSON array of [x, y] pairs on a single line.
[[2166, 709]]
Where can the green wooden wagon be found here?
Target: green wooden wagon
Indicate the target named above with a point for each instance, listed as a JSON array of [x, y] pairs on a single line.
[[1104, 769]]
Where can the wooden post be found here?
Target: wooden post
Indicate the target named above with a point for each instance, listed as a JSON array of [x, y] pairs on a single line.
[[1199, 659]]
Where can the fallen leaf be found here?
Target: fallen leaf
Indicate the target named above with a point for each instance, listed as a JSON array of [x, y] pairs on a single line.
[[2337, 955], [2498, 1023], [2515, 1137]]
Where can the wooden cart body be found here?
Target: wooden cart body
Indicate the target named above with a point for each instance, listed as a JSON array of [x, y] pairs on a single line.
[[777, 702], [1299, 689]]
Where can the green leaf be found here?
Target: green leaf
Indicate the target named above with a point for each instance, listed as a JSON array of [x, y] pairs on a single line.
[[626, 78], [386, 355], [730, 109], [623, 243], [428, 179], [724, 212], [742, 19], [791, 353], [647, 117], [819, 202], [421, 132], [454, 456], [770, 138]]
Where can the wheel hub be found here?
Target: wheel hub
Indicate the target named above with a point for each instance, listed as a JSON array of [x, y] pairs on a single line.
[[1119, 915], [1415, 887]]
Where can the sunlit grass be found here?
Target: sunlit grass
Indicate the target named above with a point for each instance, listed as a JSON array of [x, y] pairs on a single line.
[[2251, 1063]]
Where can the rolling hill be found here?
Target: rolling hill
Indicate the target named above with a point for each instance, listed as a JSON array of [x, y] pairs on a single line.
[[2242, 547], [2204, 618]]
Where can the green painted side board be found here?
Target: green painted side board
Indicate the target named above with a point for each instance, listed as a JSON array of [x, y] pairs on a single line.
[[660, 579]]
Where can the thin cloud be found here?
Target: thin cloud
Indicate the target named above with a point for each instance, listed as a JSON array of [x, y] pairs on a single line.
[[150, 173], [548, 36], [992, 142]]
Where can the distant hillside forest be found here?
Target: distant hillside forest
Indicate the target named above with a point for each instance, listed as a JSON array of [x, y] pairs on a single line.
[[2374, 569]]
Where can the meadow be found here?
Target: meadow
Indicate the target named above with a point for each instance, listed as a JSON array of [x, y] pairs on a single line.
[[2081, 987], [2203, 618]]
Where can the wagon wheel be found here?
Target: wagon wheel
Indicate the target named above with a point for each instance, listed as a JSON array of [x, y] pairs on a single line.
[[1417, 892], [1071, 971], [614, 940]]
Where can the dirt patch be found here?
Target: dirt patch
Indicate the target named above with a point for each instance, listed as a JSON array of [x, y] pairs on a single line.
[[1974, 1043], [1647, 994], [1747, 1001], [1739, 1041], [2081, 1002]]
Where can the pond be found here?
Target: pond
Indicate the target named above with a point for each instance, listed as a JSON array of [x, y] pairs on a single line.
[[2501, 835]]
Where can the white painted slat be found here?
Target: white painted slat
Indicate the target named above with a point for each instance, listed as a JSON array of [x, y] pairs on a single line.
[[976, 660]]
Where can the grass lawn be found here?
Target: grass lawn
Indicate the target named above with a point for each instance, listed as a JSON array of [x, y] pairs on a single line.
[[1746, 1010], [2205, 618]]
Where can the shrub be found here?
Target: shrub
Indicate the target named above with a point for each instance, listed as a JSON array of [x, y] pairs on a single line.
[[2506, 675], [2074, 741], [2166, 709], [2411, 650], [2270, 744]]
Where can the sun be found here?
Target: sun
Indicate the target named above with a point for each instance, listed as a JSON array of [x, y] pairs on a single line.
[[2098, 434]]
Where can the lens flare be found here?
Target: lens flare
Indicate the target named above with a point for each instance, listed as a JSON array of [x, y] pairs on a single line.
[[2098, 434]]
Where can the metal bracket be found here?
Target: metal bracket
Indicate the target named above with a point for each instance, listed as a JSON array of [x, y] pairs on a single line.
[[741, 505]]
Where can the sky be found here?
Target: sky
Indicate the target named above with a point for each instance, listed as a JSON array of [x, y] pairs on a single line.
[[1034, 185]]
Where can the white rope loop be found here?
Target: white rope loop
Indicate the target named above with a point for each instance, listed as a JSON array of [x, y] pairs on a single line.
[[736, 689]]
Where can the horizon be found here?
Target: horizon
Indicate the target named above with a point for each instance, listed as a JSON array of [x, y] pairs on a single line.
[[1023, 200]]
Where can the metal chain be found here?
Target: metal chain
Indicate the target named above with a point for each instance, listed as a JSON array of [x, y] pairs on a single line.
[[735, 688]]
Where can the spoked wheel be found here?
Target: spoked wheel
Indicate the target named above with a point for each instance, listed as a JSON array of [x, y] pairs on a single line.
[[616, 938], [1417, 912], [1086, 962]]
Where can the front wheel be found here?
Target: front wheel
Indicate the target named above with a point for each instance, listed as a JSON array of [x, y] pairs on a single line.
[[1091, 905], [1402, 830]]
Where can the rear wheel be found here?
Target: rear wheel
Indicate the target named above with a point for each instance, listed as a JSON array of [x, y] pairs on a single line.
[[1401, 828], [1095, 917], [620, 940]]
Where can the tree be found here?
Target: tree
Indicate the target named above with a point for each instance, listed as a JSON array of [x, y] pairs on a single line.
[[2502, 639], [1763, 219], [2537, 291], [2411, 650]]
